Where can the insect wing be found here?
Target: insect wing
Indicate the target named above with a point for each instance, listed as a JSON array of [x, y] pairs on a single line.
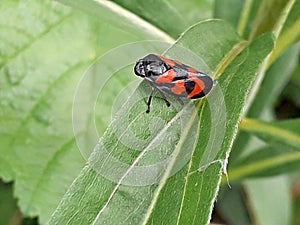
[[181, 83], [198, 85]]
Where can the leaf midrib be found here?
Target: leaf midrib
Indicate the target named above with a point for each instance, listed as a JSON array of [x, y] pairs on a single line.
[[114, 191]]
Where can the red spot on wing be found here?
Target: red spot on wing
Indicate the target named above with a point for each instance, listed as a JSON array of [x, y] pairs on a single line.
[[179, 87], [167, 77], [199, 86], [168, 61]]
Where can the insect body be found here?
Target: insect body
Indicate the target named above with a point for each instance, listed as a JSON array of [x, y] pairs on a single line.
[[172, 77]]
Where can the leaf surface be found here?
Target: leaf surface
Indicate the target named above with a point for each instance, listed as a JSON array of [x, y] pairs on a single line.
[[42, 60], [112, 193]]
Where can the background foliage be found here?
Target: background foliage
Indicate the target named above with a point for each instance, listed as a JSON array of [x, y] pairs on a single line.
[[46, 47]]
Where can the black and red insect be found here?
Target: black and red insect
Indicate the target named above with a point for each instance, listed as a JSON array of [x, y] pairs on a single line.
[[172, 77]]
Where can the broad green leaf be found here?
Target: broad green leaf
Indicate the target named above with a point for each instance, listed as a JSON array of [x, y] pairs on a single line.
[[283, 132], [115, 188], [43, 56]]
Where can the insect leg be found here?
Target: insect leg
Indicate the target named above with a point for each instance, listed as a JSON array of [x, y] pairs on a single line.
[[162, 94], [164, 97], [149, 99]]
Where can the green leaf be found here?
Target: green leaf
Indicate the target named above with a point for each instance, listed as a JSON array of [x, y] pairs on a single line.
[[274, 81], [276, 29], [267, 16], [271, 85], [272, 206], [261, 163], [283, 132], [114, 194], [265, 162], [231, 205], [45, 49], [254, 17], [147, 19], [229, 10], [250, 15], [232, 115], [290, 32], [270, 160], [43, 56], [161, 14], [168, 16], [112, 13], [193, 11]]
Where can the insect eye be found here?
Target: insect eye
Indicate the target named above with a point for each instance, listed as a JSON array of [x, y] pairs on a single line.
[[139, 69]]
